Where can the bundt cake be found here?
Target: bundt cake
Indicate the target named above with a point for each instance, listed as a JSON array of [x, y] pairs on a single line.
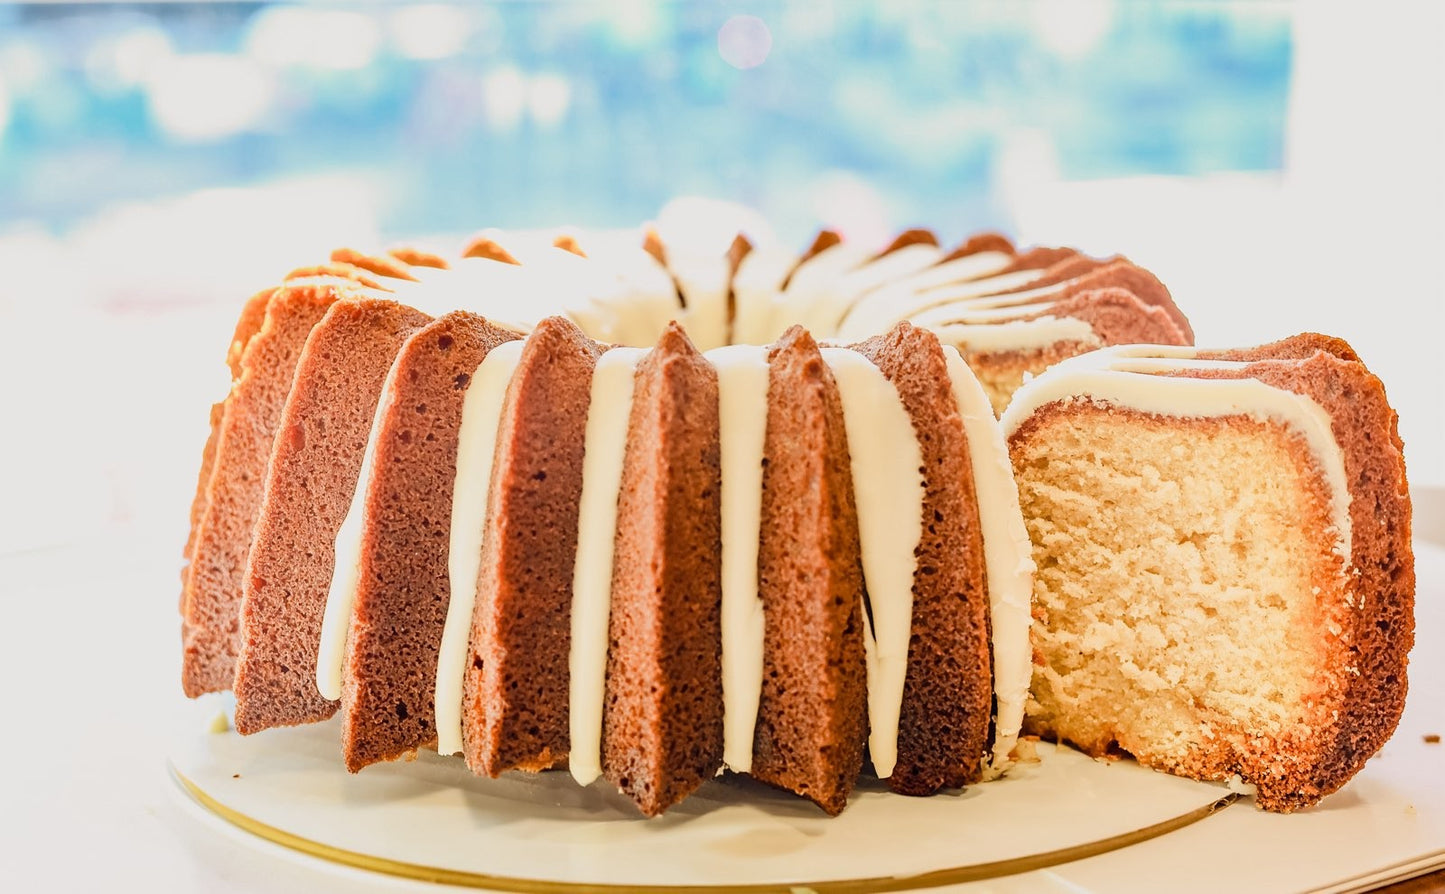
[[1225, 581], [654, 514]]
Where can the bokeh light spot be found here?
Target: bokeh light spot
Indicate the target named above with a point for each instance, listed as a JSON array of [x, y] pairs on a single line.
[[209, 96], [744, 41]]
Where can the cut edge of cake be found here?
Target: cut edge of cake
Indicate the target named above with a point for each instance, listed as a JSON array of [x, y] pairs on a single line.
[[1343, 609]]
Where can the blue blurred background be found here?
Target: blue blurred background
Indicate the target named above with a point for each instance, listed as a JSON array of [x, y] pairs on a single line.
[[451, 117]]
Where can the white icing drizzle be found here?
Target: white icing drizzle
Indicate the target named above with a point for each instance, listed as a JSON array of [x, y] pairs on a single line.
[[605, 447], [1017, 334], [971, 311], [743, 406], [968, 268], [341, 597], [888, 489], [879, 310], [820, 272], [476, 449], [626, 297], [634, 288], [505, 294], [757, 282], [998, 298], [703, 280], [1008, 559], [823, 310], [1130, 376], [618, 294]]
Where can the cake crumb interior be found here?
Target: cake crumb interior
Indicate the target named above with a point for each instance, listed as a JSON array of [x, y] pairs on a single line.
[[1179, 571]]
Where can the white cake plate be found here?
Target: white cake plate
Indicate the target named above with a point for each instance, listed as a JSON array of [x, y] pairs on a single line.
[[431, 820]]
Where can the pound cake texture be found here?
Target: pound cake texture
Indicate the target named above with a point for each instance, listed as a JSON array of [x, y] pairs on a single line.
[[1225, 582], [653, 514]]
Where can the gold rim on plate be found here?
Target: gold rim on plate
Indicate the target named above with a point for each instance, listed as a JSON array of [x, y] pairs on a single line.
[[463, 878]]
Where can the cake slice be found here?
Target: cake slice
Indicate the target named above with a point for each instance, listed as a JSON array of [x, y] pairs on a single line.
[[812, 716], [662, 724], [1226, 580], [253, 314], [515, 713], [944, 717], [221, 535], [1008, 346], [310, 483], [397, 604]]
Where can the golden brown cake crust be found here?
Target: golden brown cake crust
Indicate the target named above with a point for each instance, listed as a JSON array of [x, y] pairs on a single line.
[[382, 265], [1078, 275], [662, 724], [483, 247], [211, 594], [948, 691], [515, 691], [825, 240], [1371, 673], [1039, 259], [417, 257], [1118, 317], [737, 250], [978, 244], [253, 314], [312, 476], [1134, 279], [1065, 269], [338, 271], [916, 236], [1296, 347], [812, 719], [402, 589], [652, 244], [568, 242]]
